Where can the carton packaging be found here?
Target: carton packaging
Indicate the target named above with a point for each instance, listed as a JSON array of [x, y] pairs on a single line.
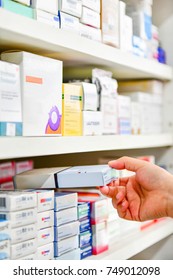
[[92, 123], [72, 255], [69, 22], [23, 249], [5, 250], [45, 236], [48, 6], [90, 32], [65, 216], [70, 7], [21, 234], [4, 230], [45, 219], [17, 8], [46, 17], [66, 245], [65, 200], [66, 230], [100, 238], [7, 171], [90, 17], [45, 252], [92, 4]]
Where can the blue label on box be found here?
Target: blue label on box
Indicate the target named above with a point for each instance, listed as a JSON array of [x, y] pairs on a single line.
[[86, 252], [85, 239], [85, 225]]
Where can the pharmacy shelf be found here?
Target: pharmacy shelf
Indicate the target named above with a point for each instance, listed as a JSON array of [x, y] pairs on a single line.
[[18, 32], [130, 245], [18, 147]]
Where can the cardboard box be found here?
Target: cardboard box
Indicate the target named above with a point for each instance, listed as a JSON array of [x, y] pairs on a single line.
[[46, 17], [72, 110], [124, 107], [65, 216], [66, 245], [100, 238], [45, 252], [30, 257], [4, 230], [65, 200], [85, 239], [84, 210], [10, 100], [17, 8], [9, 186], [15, 201], [85, 252], [66, 230], [135, 118], [150, 86], [92, 123], [90, 17], [45, 219], [4, 250], [7, 171], [41, 99], [90, 32], [90, 96], [20, 234], [45, 236], [24, 248], [69, 22], [92, 4], [109, 109], [48, 6], [22, 166], [72, 255], [85, 224], [70, 7], [45, 200], [25, 2]]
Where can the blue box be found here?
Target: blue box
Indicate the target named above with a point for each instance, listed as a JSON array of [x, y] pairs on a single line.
[[84, 210], [85, 239], [85, 225], [86, 252]]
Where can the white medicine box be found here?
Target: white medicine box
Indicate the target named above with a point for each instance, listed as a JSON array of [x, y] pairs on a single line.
[[41, 86]]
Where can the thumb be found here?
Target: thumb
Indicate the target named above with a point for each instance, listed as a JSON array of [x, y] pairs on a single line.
[[131, 164]]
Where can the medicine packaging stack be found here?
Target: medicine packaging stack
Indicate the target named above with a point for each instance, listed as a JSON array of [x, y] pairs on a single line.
[[7, 172], [125, 28], [85, 236], [4, 240], [66, 230], [41, 100], [19, 210], [90, 22], [21, 7]]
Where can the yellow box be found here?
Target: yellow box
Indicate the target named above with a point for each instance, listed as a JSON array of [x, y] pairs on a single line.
[[72, 110]]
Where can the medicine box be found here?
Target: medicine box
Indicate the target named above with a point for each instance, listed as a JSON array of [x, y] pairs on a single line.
[[42, 178], [45, 252], [72, 255], [83, 210], [92, 4], [69, 22], [85, 252], [10, 100], [4, 230], [86, 176], [90, 97], [7, 171], [8, 186], [100, 238], [41, 99], [20, 218], [72, 110], [90, 32], [110, 22], [45, 200], [85, 239], [45, 219], [48, 6], [90, 17], [25, 2], [92, 123], [65, 200], [45, 236], [14, 201], [24, 248], [17, 8], [23, 233], [46, 17], [66, 230], [66, 245], [4, 250], [85, 224], [29, 257], [22, 166], [65, 216], [109, 109], [70, 7]]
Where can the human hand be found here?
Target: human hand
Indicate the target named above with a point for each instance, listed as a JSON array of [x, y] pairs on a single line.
[[144, 196]]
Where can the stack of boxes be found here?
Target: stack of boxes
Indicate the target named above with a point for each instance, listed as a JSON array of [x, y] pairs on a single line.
[[7, 171], [4, 240], [66, 230], [45, 224], [125, 28], [19, 209], [85, 237]]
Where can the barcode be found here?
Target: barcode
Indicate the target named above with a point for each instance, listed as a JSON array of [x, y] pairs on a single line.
[[2, 202]]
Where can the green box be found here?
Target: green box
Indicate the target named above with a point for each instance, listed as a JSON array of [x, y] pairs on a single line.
[[17, 8]]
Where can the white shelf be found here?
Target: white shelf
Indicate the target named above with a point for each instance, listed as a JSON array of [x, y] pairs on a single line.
[[18, 32], [16, 147], [133, 244]]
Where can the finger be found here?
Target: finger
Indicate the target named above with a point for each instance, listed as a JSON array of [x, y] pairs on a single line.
[[119, 182], [123, 211], [120, 194], [128, 163], [109, 191]]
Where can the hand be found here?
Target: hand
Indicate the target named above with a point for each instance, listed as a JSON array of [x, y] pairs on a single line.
[[144, 196]]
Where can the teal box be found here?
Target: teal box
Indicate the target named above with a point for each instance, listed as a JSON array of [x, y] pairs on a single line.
[[15, 130], [17, 8]]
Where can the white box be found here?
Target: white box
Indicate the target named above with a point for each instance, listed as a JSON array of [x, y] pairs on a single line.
[[66, 230], [10, 100], [92, 123], [135, 118], [20, 218], [23, 233], [4, 250], [29, 257], [129, 33], [45, 252], [22, 166], [45, 219], [124, 107], [45, 236], [110, 22], [65, 200], [15, 201], [122, 25], [65, 216], [86, 176], [23, 249], [90, 96], [46, 17], [50, 6], [90, 17], [42, 178], [90, 32], [92, 4], [4, 230], [100, 238], [69, 22], [70, 7], [25, 2], [41, 85], [109, 109], [45, 200], [66, 245], [72, 255]]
